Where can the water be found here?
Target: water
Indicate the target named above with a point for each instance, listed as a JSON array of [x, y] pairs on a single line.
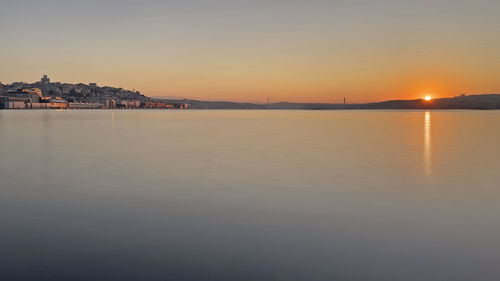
[[249, 195]]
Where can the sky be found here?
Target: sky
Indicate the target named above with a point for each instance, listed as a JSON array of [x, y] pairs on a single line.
[[298, 51]]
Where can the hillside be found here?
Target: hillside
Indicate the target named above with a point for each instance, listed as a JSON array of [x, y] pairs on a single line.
[[487, 101]]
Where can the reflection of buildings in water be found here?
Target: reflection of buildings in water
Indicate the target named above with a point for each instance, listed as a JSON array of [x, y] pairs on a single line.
[[427, 144]]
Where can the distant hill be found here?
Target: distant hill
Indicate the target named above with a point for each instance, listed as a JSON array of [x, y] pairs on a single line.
[[487, 101], [75, 92]]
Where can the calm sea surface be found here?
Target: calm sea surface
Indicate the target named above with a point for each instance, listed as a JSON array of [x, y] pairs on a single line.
[[250, 195]]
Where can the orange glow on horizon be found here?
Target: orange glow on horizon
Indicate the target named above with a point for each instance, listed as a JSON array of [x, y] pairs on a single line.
[[428, 98]]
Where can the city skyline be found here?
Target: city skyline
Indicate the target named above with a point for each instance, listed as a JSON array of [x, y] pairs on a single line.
[[319, 51]]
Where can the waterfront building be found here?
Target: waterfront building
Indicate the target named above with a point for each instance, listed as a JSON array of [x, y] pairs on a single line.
[[3, 100], [13, 103], [110, 103], [130, 103], [85, 105], [38, 105], [21, 98], [58, 104], [157, 104]]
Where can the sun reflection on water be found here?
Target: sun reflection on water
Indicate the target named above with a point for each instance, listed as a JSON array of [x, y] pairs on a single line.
[[427, 144]]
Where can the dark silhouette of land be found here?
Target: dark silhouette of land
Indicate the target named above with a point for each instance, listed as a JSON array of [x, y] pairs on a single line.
[[91, 93], [487, 101]]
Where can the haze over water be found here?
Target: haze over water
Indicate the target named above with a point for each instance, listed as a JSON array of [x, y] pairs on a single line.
[[249, 195]]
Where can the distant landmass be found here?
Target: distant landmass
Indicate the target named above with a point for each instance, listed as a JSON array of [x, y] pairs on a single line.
[[45, 94], [487, 101]]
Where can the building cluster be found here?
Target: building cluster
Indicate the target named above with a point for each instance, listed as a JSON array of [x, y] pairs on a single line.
[[47, 95]]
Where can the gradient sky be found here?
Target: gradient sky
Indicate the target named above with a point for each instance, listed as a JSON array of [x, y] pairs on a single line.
[[314, 50]]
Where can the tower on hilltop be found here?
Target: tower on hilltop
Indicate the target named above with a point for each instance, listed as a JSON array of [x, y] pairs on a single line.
[[45, 79]]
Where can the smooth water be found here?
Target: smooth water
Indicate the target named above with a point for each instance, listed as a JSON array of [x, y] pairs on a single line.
[[249, 195]]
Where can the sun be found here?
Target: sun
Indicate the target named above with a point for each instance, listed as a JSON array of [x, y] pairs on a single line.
[[428, 98]]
